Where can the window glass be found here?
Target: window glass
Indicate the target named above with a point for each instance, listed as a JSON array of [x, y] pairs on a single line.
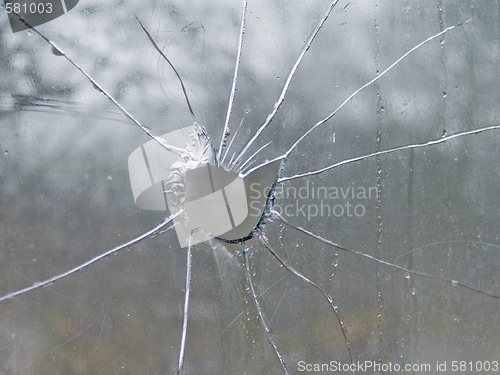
[[389, 259]]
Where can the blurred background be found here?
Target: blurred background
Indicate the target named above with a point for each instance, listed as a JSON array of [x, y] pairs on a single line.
[[65, 194]]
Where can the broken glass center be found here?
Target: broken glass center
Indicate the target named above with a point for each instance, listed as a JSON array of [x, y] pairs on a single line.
[[209, 200]]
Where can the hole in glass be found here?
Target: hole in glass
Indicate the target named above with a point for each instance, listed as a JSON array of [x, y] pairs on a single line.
[[456, 246]]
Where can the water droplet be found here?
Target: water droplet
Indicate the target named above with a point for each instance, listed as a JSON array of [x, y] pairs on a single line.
[[30, 32], [444, 94], [407, 275], [6, 152], [413, 291], [407, 317]]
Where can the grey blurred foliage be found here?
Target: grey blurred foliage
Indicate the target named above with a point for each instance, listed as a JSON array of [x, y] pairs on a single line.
[[65, 195]]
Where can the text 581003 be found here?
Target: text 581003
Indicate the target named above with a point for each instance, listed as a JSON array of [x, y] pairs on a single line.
[[31, 8]]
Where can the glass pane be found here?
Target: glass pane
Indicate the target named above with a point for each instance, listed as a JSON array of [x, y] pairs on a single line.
[[389, 258]]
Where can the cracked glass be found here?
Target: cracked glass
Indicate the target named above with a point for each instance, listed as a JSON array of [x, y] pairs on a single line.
[[378, 244]]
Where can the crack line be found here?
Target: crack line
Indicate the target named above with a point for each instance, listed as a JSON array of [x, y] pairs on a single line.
[[52, 280], [380, 261]]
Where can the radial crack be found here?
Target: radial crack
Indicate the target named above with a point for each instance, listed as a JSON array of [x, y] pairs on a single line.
[[169, 63], [388, 151], [380, 261], [52, 280], [288, 80], [350, 97], [231, 142], [296, 273], [259, 311], [59, 52], [185, 315], [253, 155], [226, 131]]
